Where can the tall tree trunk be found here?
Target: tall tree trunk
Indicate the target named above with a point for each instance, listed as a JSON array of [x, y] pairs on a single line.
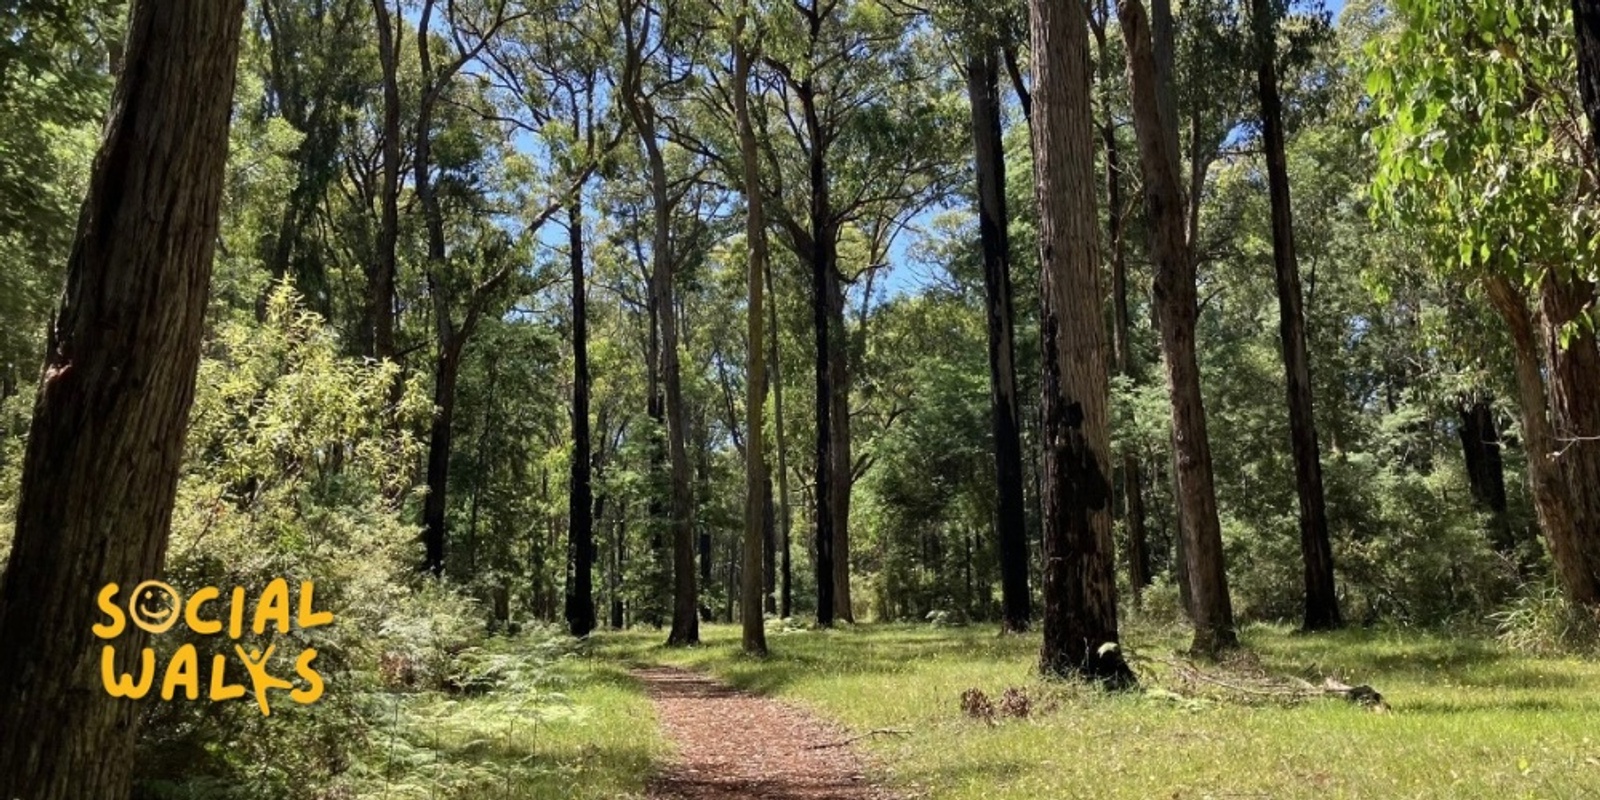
[[381, 275], [983, 93], [823, 287], [1552, 502], [1121, 337], [1481, 451], [1572, 362], [757, 486], [839, 447], [785, 517], [580, 612], [619, 566], [1316, 549], [1177, 309], [106, 441], [1080, 590]]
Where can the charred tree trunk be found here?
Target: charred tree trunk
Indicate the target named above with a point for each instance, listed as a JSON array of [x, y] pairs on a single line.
[[381, 275], [580, 611], [447, 369], [1316, 549], [983, 93], [106, 442], [1480, 449], [823, 288], [1177, 310], [1080, 591]]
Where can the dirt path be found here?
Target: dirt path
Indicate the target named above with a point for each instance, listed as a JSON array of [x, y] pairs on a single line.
[[732, 746]]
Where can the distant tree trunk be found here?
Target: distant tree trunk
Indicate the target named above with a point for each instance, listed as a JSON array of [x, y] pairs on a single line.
[[823, 286], [843, 474], [1480, 448], [619, 567], [580, 611], [381, 275], [983, 93], [757, 486], [106, 441], [785, 518], [1551, 499], [1177, 310], [1316, 549], [447, 369], [1121, 337], [1080, 590]]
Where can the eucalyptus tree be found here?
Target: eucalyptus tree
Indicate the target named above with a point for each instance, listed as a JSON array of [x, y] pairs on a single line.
[[1080, 591], [1321, 600], [1479, 136], [1176, 310], [852, 142], [105, 448]]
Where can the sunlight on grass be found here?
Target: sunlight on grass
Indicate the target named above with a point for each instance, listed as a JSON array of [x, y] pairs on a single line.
[[1467, 719], [583, 730]]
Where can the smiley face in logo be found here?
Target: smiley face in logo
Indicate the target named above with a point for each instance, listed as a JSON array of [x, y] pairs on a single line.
[[154, 606]]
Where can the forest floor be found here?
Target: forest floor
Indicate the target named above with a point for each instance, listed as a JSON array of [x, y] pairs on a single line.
[[1467, 718], [733, 745]]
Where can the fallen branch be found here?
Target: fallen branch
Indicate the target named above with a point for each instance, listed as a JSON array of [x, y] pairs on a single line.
[[859, 737]]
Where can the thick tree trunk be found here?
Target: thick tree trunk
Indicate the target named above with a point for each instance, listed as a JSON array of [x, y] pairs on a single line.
[[580, 613], [1552, 501], [823, 287], [983, 93], [1121, 327], [1586, 24], [1316, 549], [757, 486], [1481, 450], [1573, 365], [1080, 592], [1176, 309], [106, 441]]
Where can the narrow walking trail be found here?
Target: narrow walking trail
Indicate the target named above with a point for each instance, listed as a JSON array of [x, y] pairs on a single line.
[[734, 745]]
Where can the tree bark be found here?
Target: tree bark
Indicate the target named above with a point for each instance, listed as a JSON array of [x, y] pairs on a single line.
[[1481, 451], [381, 275], [1080, 592], [1572, 362], [1121, 336], [785, 519], [580, 612], [1177, 309], [839, 447], [757, 487], [823, 283], [1586, 25], [106, 442], [983, 93], [1552, 502], [1316, 549]]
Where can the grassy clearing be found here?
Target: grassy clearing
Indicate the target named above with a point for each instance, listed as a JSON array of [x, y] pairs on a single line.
[[578, 728], [1468, 719]]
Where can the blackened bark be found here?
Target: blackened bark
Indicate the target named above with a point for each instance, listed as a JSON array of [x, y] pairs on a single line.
[[106, 440], [1316, 549], [580, 613], [1080, 593], [1177, 309], [823, 283], [447, 369], [983, 93], [1481, 450], [381, 274], [1586, 24]]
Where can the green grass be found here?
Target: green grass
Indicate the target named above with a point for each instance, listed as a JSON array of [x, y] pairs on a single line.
[[580, 728], [1467, 719]]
